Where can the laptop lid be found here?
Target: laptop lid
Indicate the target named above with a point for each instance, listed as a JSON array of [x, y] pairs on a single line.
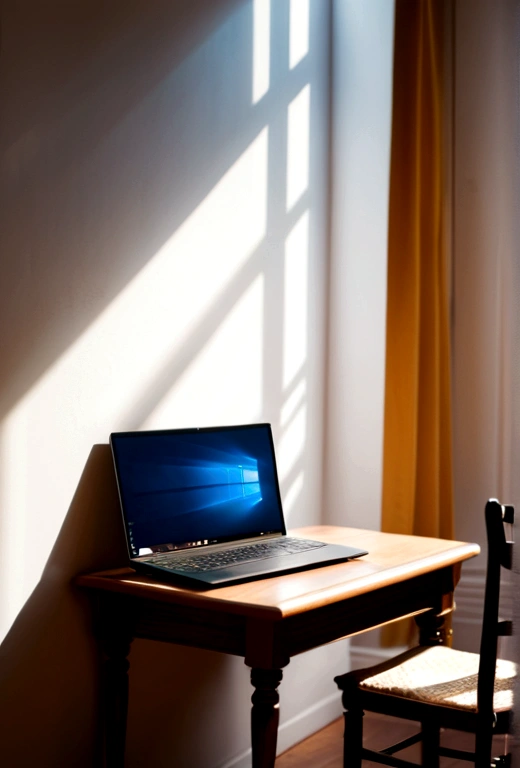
[[187, 488]]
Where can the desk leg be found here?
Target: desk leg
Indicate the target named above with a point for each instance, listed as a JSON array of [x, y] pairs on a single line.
[[114, 691], [435, 628], [265, 715]]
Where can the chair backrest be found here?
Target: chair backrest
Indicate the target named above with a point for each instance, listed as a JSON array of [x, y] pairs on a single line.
[[499, 555]]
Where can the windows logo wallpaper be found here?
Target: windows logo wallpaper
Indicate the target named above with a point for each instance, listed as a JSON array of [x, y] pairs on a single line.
[[194, 488]]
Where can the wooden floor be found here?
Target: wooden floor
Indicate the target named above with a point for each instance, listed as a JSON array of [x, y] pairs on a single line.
[[325, 748]]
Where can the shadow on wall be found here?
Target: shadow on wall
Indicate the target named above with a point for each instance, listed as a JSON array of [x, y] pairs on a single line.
[[49, 662]]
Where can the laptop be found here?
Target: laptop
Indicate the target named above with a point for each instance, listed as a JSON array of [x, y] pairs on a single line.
[[202, 506]]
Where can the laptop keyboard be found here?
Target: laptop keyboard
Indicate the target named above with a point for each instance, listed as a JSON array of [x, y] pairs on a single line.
[[247, 553]]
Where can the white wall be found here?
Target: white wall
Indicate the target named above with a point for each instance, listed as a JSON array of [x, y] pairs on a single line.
[[360, 174], [485, 378], [484, 253], [360, 162], [164, 260]]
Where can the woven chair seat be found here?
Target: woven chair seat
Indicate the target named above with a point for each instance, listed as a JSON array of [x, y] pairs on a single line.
[[442, 675]]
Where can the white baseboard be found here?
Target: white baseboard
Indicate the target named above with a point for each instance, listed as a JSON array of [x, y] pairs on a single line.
[[297, 728], [364, 656], [309, 721]]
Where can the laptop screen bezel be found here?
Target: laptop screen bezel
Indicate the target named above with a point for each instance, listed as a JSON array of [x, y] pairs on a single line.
[[140, 434]]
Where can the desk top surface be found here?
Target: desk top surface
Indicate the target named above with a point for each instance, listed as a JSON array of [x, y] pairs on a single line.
[[392, 558]]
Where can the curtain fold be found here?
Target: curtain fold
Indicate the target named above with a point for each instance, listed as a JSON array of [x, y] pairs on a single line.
[[417, 456]]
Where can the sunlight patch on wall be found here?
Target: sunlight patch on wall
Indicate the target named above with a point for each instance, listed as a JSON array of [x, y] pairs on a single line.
[[14, 481], [298, 31], [298, 132], [292, 403], [293, 413], [295, 299], [292, 495], [223, 385], [261, 47], [292, 443], [199, 294], [150, 321]]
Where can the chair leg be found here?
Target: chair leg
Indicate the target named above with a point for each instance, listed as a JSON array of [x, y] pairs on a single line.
[[353, 738], [430, 745], [483, 747]]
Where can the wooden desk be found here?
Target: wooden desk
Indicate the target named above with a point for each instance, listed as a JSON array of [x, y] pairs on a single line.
[[268, 621]]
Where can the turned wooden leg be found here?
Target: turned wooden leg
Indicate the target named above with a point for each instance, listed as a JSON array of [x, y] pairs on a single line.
[[434, 629], [265, 715]]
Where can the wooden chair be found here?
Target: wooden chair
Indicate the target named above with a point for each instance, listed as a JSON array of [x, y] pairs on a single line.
[[440, 687]]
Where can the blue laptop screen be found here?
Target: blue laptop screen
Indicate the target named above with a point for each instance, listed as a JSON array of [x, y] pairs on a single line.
[[186, 488]]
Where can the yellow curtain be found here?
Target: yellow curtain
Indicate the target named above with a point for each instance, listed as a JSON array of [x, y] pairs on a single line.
[[417, 466]]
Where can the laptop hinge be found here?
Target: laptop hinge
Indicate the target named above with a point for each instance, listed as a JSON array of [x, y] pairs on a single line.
[[206, 547]]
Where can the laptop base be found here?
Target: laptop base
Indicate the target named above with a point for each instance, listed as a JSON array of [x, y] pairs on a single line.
[[258, 569]]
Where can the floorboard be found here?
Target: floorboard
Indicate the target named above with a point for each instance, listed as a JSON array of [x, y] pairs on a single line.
[[324, 749]]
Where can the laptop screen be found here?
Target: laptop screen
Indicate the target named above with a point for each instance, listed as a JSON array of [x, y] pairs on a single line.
[[195, 487]]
